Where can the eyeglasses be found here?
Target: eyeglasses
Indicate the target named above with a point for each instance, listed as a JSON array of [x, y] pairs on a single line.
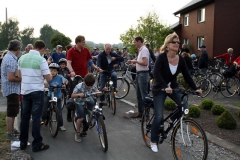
[[174, 42]]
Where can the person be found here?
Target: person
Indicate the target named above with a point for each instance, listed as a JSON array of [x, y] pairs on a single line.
[[27, 49], [156, 53], [78, 58], [188, 60], [59, 81], [184, 48], [119, 52], [56, 56], [203, 59], [194, 60], [79, 94], [94, 55], [47, 54], [11, 86], [63, 70], [151, 53], [105, 61], [229, 57], [142, 78], [67, 48], [32, 68], [168, 65]]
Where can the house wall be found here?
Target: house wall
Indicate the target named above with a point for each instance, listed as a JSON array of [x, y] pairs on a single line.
[[196, 29], [227, 27]]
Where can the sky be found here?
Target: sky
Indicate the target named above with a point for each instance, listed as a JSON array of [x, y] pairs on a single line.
[[100, 21]]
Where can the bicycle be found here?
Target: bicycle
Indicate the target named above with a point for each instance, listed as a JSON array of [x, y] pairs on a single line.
[[92, 118], [188, 139], [52, 115]]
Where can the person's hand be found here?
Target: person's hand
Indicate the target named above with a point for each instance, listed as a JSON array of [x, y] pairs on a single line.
[[113, 58], [104, 89], [168, 90], [63, 86], [199, 91], [129, 61], [46, 85], [214, 57]]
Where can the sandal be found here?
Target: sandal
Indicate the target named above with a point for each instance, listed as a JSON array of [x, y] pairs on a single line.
[[40, 148]]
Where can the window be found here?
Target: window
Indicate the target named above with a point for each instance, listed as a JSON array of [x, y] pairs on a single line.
[[200, 41], [186, 19], [185, 41], [201, 15]]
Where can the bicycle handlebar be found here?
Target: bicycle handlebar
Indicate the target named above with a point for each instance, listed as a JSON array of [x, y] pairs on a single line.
[[183, 91], [92, 94]]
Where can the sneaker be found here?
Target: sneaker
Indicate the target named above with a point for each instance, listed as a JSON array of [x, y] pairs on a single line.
[[154, 147], [62, 128], [12, 137], [23, 146], [78, 137], [16, 132]]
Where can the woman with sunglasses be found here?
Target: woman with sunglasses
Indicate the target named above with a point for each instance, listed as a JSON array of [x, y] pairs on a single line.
[[167, 66]]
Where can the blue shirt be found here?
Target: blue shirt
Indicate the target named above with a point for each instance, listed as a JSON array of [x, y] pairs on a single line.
[[56, 57], [9, 64], [57, 81]]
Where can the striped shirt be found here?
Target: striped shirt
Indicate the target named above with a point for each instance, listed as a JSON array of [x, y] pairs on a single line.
[[9, 65], [33, 67]]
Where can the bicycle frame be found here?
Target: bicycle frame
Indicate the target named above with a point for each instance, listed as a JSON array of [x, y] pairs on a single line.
[[127, 75]]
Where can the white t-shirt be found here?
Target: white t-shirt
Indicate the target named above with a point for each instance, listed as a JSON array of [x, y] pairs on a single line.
[[143, 52]]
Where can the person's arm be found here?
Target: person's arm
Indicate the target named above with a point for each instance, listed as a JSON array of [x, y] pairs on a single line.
[[220, 56], [49, 60], [12, 78], [159, 64]]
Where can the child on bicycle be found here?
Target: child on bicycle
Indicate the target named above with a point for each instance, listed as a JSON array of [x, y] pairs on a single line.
[[79, 94], [60, 81]]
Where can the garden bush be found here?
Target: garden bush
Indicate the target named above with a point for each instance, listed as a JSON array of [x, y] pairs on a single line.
[[226, 120], [170, 104], [207, 104], [217, 109], [238, 113], [194, 111]]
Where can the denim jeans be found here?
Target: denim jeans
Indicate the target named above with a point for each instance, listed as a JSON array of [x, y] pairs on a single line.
[[158, 111], [142, 80], [103, 79], [32, 105], [81, 111], [46, 105]]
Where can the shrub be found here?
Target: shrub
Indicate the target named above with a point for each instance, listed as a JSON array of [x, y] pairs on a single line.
[[238, 113], [170, 104], [226, 120], [217, 109], [194, 111], [181, 81], [207, 104]]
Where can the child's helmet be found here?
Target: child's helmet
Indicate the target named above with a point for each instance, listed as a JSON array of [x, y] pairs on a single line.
[[54, 65], [62, 60]]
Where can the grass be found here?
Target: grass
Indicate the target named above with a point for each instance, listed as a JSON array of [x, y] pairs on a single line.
[[4, 144], [237, 104]]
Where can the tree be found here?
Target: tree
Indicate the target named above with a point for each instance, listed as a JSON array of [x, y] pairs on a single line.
[[150, 28], [9, 31], [27, 36], [46, 34], [60, 39]]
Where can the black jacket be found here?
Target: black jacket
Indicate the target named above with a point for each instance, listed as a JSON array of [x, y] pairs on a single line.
[[102, 61], [203, 60], [162, 74]]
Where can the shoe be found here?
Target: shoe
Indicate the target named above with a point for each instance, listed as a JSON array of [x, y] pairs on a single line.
[[12, 137], [139, 115], [40, 148], [69, 118], [23, 146], [42, 122], [62, 128], [154, 147], [16, 132], [78, 137]]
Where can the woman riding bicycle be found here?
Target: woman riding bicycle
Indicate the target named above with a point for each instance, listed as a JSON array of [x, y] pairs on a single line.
[[167, 66]]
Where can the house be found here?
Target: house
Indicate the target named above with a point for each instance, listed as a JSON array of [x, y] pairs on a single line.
[[214, 23]]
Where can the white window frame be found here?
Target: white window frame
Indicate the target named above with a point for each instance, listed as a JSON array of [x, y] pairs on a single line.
[[186, 20], [200, 41], [186, 41], [201, 15]]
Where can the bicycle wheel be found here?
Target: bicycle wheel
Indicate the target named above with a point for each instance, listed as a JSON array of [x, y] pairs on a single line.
[[146, 124], [91, 122], [113, 102], [53, 120], [123, 88], [205, 85], [215, 78], [102, 133], [229, 87], [74, 119], [63, 100], [189, 141]]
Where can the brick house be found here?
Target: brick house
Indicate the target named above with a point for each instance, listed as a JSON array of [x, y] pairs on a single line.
[[214, 23]]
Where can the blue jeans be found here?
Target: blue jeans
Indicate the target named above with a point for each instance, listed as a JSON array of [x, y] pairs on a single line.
[[46, 105], [103, 79], [81, 111], [158, 111], [32, 105], [142, 80]]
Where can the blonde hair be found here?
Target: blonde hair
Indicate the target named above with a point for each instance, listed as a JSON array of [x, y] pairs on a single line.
[[167, 40], [185, 54], [230, 50]]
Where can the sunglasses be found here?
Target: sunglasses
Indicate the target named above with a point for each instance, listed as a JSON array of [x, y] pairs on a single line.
[[174, 42]]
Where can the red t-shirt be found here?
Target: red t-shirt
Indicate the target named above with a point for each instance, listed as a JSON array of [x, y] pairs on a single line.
[[79, 60]]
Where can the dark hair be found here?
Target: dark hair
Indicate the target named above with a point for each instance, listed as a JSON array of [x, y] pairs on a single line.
[[68, 47], [14, 45], [39, 44], [89, 79], [79, 39], [139, 39]]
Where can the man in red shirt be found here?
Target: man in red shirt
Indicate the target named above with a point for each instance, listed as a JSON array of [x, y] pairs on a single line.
[[229, 57], [78, 58]]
